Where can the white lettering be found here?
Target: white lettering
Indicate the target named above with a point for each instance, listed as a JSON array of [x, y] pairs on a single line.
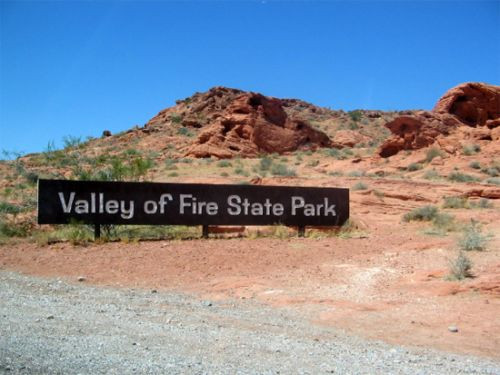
[[67, 206]]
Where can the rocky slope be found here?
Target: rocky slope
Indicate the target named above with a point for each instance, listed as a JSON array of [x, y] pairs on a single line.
[[470, 110]]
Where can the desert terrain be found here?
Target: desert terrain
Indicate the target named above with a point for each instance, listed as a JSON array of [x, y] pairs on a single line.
[[424, 196]]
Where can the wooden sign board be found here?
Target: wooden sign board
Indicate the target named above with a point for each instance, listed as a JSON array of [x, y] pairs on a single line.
[[98, 202]]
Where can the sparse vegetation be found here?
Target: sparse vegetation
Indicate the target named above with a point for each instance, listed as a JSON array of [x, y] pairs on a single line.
[[475, 165], [432, 153], [356, 173], [414, 167], [469, 150], [425, 213], [224, 164], [355, 115], [473, 238], [493, 181], [461, 177], [431, 175], [282, 170], [460, 268], [359, 186], [455, 202]]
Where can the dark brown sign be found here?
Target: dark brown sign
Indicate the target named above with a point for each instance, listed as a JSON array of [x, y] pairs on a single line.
[[97, 202]]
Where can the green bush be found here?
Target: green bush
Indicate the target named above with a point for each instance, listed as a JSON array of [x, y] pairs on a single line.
[[432, 153], [483, 203], [355, 115], [176, 118], [184, 131], [359, 186], [265, 163], [492, 171], [9, 208], [425, 213], [461, 177], [460, 268], [471, 149], [13, 229], [475, 165], [282, 170], [313, 163], [431, 175], [356, 173], [493, 181], [472, 238], [414, 167], [224, 164], [455, 202]]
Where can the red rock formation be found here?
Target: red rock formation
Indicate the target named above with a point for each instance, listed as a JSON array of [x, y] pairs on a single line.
[[469, 104], [474, 104], [252, 124]]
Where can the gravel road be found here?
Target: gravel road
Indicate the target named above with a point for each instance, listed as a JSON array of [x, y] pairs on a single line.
[[50, 326]]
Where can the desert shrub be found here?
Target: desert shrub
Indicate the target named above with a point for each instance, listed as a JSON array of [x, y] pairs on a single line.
[[482, 203], [173, 174], [414, 167], [265, 163], [425, 213], [241, 171], [10, 228], [356, 173], [313, 163], [170, 164], [72, 142], [282, 170], [335, 153], [461, 177], [472, 238], [455, 202], [359, 186], [9, 208], [184, 131], [224, 174], [176, 118], [444, 222], [336, 173], [491, 171], [432, 153], [355, 115], [475, 165], [224, 164], [493, 181], [460, 268], [139, 168], [431, 175], [471, 149], [31, 177]]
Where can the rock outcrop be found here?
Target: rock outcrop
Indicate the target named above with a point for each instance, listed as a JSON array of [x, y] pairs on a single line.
[[469, 104], [251, 124]]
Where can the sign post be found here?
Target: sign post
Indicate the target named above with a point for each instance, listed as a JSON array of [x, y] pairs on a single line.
[[139, 203]]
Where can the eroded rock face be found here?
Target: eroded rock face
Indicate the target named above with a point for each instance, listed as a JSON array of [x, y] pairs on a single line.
[[469, 104], [254, 123], [473, 104]]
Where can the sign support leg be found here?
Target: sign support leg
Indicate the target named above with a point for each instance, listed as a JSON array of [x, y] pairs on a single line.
[[302, 231], [204, 233], [97, 231]]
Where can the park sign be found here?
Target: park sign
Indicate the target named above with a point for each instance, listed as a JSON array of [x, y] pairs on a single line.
[[105, 202]]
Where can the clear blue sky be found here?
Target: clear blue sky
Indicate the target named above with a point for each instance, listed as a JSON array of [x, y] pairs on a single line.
[[77, 68]]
